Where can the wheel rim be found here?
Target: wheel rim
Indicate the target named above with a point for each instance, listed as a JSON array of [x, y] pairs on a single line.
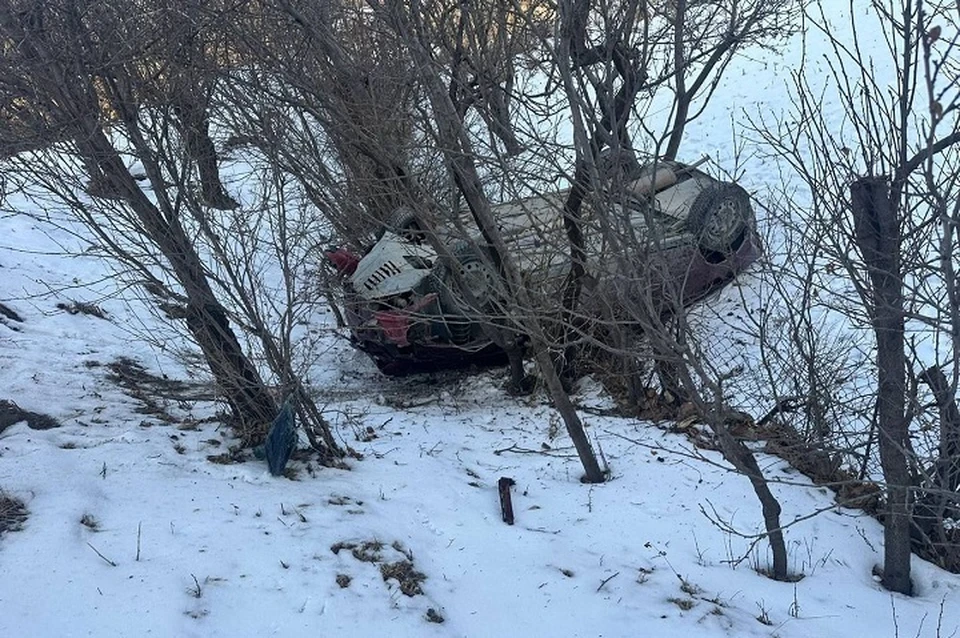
[[724, 225], [477, 279]]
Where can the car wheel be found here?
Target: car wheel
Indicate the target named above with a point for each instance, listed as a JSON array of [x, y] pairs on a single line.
[[404, 222], [473, 273], [476, 275], [720, 217]]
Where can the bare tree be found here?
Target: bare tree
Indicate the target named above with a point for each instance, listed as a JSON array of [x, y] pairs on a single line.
[[705, 38], [880, 186], [454, 138], [114, 105]]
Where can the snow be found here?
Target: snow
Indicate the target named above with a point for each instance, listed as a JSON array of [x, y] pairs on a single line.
[[635, 556], [133, 531]]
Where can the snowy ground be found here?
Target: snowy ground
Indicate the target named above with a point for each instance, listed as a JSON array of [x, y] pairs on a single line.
[[134, 531]]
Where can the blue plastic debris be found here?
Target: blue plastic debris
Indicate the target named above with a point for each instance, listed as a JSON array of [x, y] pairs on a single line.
[[281, 440]]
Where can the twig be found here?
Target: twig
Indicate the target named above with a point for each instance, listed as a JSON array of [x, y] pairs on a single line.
[[541, 530], [587, 409], [196, 593], [107, 560], [139, 525], [520, 450], [607, 580], [721, 465], [403, 405], [783, 405], [893, 609]]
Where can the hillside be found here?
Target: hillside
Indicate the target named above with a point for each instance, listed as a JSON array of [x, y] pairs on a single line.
[[138, 521]]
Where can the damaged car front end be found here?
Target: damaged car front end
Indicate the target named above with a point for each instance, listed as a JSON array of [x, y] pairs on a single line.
[[406, 306]]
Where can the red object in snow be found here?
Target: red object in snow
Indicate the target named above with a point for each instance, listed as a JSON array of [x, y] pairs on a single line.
[[396, 323], [345, 261]]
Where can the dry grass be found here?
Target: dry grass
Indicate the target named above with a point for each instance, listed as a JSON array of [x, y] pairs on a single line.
[[11, 413], [406, 576], [227, 458], [154, 391], [83, 308], [403, 571], [368, 551], [90, 522], [13, 513], [686, 604]]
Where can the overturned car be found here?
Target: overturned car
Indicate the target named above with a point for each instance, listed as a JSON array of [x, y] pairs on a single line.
[[412, 310]]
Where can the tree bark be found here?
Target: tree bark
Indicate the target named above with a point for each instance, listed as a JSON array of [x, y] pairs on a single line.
[[682, 100], [877, 231], [195, 128], [948, 464]]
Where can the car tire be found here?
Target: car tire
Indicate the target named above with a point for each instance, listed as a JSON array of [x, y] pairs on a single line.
[[404, 222], [475, 273], [720, 217]]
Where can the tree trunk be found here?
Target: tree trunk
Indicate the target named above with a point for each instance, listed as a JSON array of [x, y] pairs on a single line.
[[252, 406], [613, 112], [573, 284], [740, 456], [877, 232], [239, 383], [936, 499], [947, 474], [593, 473], [57, 49], [682, 100], [195, 128]]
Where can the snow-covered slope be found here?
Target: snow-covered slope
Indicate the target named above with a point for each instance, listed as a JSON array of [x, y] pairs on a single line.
[[135, 529]]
